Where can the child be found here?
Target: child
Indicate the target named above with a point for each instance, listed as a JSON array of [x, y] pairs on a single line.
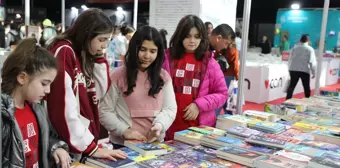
[[198, 80], [140, 104], [82, 80], [27, 141]]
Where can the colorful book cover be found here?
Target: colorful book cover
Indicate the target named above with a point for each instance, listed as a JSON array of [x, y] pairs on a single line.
[[205, 150], [293, 156], [118, 163], [205, 130], [266, 125], [171, 160], [264, 139], [280, 162], [257, 148], [226, 140], [327, 159], [177, 145], [322, 121], [196, 155], [137, 157], [189, 134], [307, 127], [239, 152], [321, 145], [290, 140], [226, 164], [145, 146], [291, 132], [309, 151], [243, 131]]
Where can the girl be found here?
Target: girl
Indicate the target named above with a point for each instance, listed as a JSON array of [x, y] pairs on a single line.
[[27, 75], [140, 104], [198, 80], [82, 80], [119, 45]]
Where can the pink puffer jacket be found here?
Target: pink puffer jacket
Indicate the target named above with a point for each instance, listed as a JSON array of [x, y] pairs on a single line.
[[213, 91]]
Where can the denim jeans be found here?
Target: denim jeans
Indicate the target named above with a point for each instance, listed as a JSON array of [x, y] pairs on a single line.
[[227, 79]]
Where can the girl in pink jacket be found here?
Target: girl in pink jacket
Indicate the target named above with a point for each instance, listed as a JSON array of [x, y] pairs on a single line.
[[197, 78]]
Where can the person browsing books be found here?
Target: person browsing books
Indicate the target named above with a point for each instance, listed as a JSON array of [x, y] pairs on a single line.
[[82, 79], [140, 104], [197, 78], [27, 75]]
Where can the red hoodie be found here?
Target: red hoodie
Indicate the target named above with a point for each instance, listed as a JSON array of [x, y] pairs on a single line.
[[62, 102]]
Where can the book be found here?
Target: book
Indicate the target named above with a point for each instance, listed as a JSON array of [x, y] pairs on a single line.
[[260, 115], [145, 148], [205, 130], [327, 160], [305, 150], [228, 121], [238, 155], [172, 145], [135, 156], [307, 127], [171, 160], [267, 127], [105, 163], [321, 145], [326, 136], [242, 132], [188, 137], [298, 157], [278, 109], [219, 141], [80, 165], [275, 161], [267, 141], [287, 139]]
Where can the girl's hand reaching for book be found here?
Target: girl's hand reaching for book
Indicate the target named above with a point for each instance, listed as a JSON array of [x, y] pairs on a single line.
[[155, 132], [130, 134], [110, 154], [61, 156], [191, 112]]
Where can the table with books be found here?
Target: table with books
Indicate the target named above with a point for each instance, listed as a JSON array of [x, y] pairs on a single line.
[[299, 133]]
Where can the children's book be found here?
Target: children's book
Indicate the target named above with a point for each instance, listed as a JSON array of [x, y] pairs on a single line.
[[205, 130], [137, 157], [105, 163], [145, 148]]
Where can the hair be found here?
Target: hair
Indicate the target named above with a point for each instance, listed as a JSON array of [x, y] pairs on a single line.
[[285, 36], [225, 31], [184, 26], [238, 34], [132, 60], [207, 24], [164, 33], [304, 38], [126, 29], [88, 25], [27, 57]]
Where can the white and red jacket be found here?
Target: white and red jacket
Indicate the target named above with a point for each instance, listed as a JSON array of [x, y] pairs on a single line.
[[62, 101]]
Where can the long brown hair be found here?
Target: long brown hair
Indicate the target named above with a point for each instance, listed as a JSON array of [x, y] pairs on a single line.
[[88, 25], [28, 57]]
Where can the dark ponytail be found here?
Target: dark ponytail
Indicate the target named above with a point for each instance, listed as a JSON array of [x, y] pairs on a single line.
[[126, 29], [164, 33]]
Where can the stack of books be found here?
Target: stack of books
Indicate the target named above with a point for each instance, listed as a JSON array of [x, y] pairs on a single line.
[[267, 127], [105, 163], [260, 115], [188, 137], [241, 132], [227, 121], [239, 155], [267, 141], [326, 160]]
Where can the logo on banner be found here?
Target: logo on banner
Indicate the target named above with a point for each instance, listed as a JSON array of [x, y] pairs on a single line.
[[274, 83], [333, 72]]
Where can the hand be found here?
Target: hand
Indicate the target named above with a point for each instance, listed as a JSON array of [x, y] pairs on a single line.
[[113, 155], [155, 132], [191, 112], [130, 134], [61, 156]]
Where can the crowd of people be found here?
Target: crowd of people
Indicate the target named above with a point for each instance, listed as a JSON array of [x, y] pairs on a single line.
[[157, 91]]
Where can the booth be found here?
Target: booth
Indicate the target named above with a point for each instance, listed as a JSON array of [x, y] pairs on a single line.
[[266, 77], [294, 23]]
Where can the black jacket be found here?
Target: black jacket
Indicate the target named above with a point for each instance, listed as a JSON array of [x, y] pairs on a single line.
[[13, 155]]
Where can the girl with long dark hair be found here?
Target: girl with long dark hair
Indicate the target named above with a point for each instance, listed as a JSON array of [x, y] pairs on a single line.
[[140, 104]]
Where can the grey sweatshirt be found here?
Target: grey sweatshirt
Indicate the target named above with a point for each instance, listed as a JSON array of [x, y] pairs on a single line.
[[302, 59]]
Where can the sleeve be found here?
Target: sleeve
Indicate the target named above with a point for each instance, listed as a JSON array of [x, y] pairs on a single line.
[[62, 108], [107, 112], [168, 112], [233, 60], [101, 77], [312, 61], [218, 91], [121, 46]]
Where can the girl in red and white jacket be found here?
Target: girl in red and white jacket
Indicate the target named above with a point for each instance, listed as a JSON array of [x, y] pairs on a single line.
[[82, 79]]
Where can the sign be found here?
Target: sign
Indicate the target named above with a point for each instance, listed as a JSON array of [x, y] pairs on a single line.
[[285, 56], [274, 83]]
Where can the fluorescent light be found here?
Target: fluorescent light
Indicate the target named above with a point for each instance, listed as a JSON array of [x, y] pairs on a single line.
[[295, 6], [74, 8], [119, 9], [84, 7]]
